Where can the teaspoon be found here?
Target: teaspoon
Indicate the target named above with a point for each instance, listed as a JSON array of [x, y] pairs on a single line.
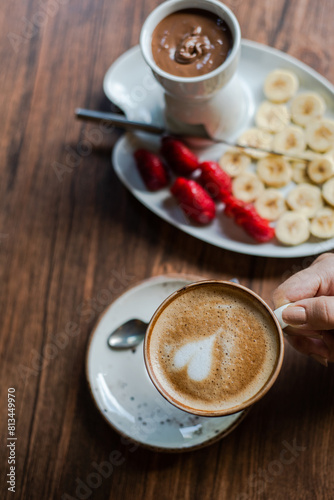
[[128, 335]]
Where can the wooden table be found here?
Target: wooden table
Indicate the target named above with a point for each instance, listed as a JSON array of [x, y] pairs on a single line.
[[62, 236]]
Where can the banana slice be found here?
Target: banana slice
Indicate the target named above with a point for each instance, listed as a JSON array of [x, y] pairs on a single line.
[[328, 192], [330, 154], [320, 135], [280, 85], [322, 225], [292, 228], [309, 155], [272, 117], [320, 170], [307, 107], [290, 141], [305, 199], [299, 172], [234, 162], [247, 187], [270, 204], [274, 171], [256, 138]]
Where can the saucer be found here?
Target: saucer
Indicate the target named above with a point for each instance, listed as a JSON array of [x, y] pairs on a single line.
[[123, 391], [130, 84]]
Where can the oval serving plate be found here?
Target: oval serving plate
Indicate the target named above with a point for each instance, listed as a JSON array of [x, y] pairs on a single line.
[[130, 84]]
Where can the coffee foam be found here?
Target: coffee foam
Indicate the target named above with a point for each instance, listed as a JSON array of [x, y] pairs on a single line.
[[214, 347], [197, 357]]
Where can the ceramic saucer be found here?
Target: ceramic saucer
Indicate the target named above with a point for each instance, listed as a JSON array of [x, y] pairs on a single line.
[[121, 387]]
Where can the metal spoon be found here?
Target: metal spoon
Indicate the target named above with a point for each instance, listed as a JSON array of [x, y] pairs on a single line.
[[132, 332], [203, 139], [128, 335]]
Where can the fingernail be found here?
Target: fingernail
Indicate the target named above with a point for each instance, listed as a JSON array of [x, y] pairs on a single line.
[[294, 315], [323, 361]]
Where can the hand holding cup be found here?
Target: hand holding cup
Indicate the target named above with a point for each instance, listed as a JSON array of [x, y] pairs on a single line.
[[311, 317]]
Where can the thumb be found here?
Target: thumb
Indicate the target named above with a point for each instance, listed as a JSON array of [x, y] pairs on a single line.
[[316, 313]]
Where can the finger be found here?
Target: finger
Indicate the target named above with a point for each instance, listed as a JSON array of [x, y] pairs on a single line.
[[315, 334], [323, 256], [311, 314], [318, 279], [311, 347], [328, 338], [302, 285]]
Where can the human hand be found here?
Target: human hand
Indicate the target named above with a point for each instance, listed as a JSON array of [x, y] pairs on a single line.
[[312, 315]]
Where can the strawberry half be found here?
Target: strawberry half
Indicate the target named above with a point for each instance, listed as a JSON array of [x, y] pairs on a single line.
[[194, 200], [180, 159], [151, 169], [216, 182], [259, 229], [237, 208], [232, 206], [246, 216]]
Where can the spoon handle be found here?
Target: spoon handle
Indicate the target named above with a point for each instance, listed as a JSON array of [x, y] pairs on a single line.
[[117, 120], [194, 141]]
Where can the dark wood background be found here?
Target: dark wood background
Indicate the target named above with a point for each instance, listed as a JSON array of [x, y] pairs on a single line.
[[61, 237]]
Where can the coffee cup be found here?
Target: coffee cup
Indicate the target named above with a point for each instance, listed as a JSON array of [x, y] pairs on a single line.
[[214, 348], [216, 99]]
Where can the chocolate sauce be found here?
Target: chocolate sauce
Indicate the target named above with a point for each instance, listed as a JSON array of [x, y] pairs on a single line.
[[191, 42]]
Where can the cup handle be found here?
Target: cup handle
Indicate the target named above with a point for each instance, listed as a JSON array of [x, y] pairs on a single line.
[[278, 313]]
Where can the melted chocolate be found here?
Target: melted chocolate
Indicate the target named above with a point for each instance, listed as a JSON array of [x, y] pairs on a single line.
[[191, 42]]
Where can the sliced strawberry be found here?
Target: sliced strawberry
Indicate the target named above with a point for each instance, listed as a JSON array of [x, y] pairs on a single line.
[[233, 206], [246, 213], [236, 208], [180, 159], [216, 182], [260, 230], [194, 200], [246, 216], [151, 169], [245, 220]]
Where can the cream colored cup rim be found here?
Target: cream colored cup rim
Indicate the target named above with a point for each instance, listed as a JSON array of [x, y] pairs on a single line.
[[147, 30], [213, 413]]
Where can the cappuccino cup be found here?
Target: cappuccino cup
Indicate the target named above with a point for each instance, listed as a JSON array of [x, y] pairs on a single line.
[[214, 348]]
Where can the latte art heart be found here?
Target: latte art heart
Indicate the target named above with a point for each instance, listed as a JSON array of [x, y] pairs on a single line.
[[197, 356]]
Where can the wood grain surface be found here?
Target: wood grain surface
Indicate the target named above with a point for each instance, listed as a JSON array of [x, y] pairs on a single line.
[[66, 225]]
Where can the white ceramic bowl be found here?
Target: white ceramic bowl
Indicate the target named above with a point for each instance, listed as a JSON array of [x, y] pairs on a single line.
[[199, 87]]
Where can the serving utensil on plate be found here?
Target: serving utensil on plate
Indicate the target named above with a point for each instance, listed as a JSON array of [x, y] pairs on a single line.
[[195, 141]]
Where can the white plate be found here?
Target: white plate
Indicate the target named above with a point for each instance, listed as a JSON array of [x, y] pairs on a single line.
[[130, 84], [123, 391]]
